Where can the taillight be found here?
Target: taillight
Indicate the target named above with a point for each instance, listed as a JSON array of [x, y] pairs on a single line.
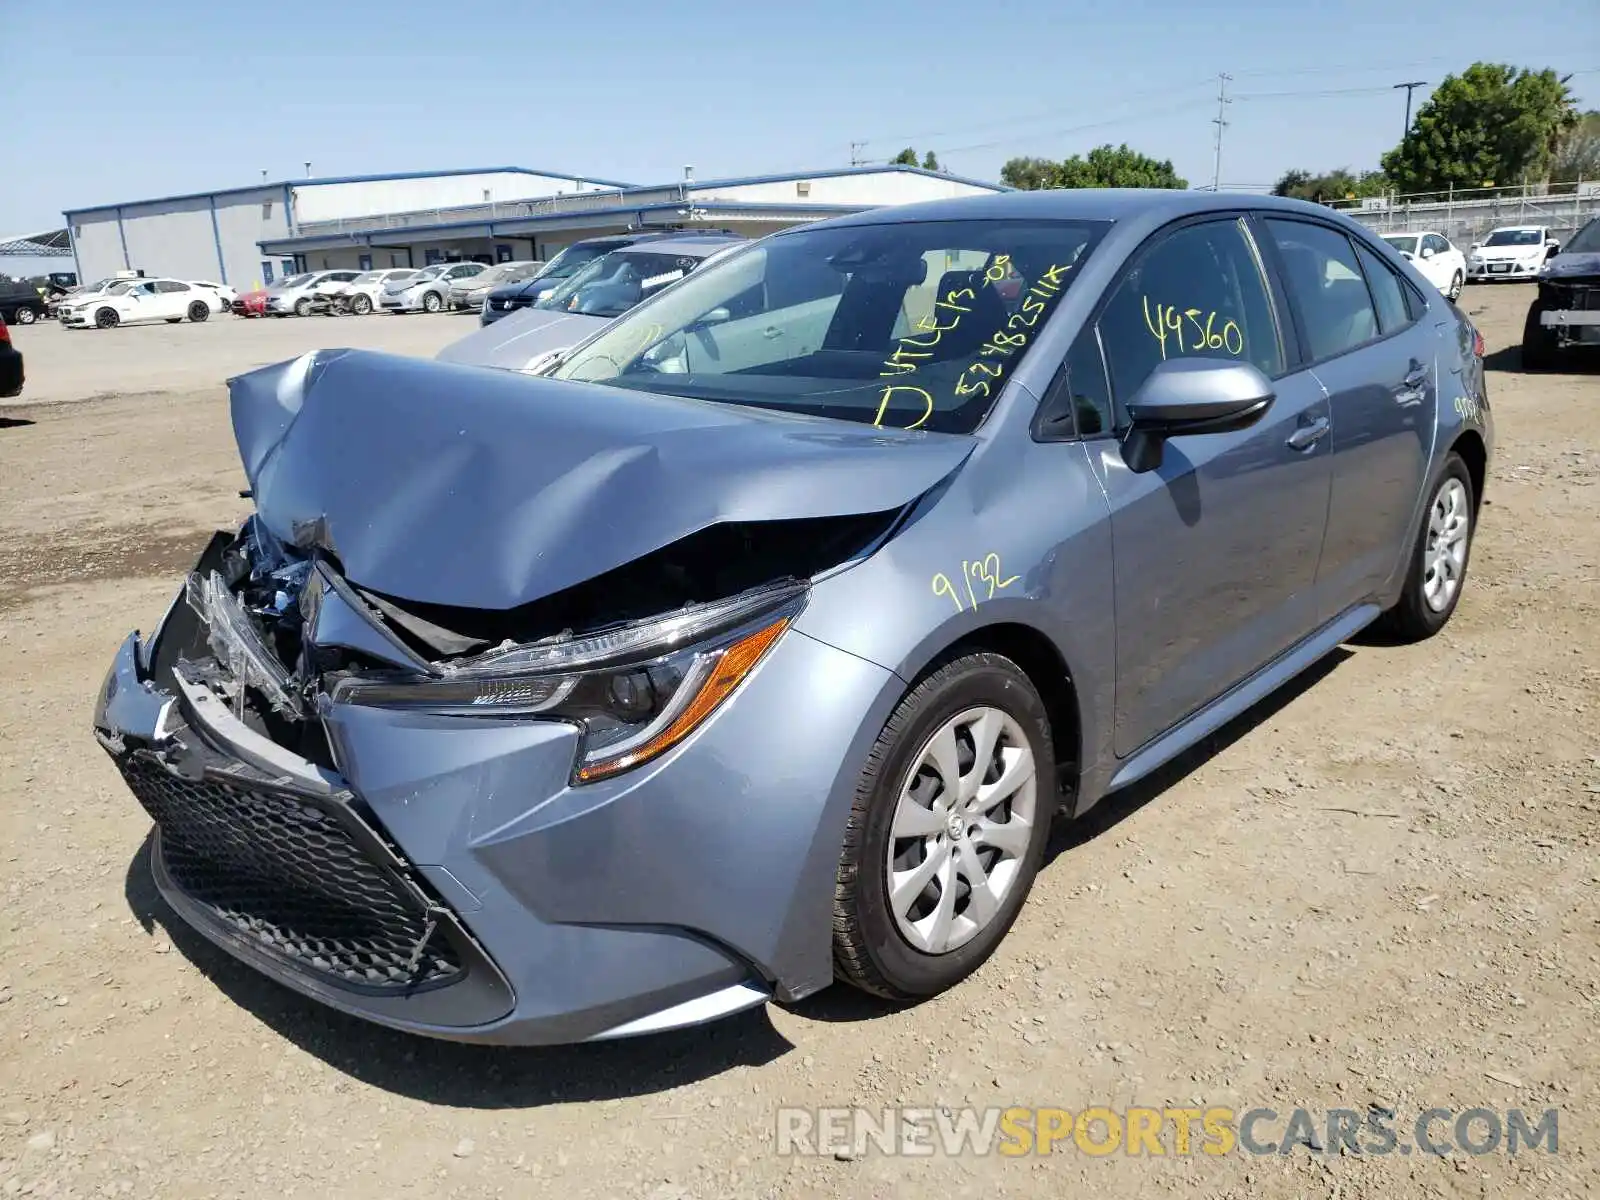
[[5, 334], [1477, 344]]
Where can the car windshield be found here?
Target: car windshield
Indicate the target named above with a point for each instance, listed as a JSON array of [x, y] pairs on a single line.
[[368, 277], [1586, 240], [295, 281], [117, 289], [498, 273], [1515, 237], [914, 325], [397, 276], [570, 261], [427, 273], [1405, 243], [609, 286]]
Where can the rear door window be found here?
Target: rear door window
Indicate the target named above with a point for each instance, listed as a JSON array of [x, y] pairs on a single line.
[[1324, 279], [1388, 293]]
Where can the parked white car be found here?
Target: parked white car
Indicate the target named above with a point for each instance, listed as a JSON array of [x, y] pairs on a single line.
[[134, 301], [358, 295], [224, 293], [1436, 256], [1511, 252], [429, 289]]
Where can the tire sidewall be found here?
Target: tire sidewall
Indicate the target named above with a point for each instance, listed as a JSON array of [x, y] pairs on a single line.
[[25, 316], [199, 311], [966, 683], [1454, 468], [106, 318]]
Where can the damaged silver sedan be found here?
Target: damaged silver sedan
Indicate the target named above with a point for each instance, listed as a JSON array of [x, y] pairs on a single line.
[[756, 642]]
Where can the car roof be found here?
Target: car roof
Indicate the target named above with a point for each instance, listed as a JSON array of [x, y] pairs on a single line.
[[1083, 204], [690, 244]]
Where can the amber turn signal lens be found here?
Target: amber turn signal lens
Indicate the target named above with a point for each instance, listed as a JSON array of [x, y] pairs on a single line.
[[733, 663]]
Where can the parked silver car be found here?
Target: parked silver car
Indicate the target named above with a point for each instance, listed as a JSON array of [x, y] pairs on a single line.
[[469, 294], [428, 290], [585, 302], [297, 294]]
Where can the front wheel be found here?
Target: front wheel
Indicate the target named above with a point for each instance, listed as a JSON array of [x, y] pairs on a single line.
[[431, 302], [199, 311], [1438, 569], [360, 305], [947, 830], [1456, 282], [302, 308], [25, 316], [106, 318]]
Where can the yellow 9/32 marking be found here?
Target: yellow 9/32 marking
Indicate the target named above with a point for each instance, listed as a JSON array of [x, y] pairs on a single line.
[[1205, 330], [980, 578]]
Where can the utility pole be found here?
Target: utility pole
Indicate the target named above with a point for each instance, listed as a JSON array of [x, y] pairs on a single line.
[[1409, 87], [1221, 124], [855, 153]]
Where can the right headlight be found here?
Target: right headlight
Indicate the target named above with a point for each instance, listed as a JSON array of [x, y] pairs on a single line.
[[634, 691]]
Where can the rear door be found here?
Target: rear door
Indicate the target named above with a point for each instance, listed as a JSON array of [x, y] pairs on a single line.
[[1215, 552], [1371, 339]]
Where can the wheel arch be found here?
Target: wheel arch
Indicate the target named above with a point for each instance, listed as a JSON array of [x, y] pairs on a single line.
[[1042, 661], [1470, 446]]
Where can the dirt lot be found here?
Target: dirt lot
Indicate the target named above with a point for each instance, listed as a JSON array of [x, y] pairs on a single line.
[[1383, 890]]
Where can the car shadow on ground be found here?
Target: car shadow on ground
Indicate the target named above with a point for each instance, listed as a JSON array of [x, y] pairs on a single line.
[[15, 422], [496, 1077], [1509, 360]]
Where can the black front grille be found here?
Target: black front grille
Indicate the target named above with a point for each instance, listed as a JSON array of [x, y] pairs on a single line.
[[285, 872]]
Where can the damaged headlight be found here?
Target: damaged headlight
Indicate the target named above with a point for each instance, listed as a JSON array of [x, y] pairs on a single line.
[[635, 691]]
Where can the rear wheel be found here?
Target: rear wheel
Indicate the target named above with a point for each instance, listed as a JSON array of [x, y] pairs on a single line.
[[360, 305], [431, 302], [947, 830], [302, 307], [199, 310], [106, 318], [1439, 558], [25, 316]]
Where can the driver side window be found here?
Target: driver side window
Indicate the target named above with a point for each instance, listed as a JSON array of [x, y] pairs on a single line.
[[1198, 292]]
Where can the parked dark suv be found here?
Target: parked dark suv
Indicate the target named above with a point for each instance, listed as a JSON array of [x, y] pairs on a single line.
[[10, 365], [21, 303]]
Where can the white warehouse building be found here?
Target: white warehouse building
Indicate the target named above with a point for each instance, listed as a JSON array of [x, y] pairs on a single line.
[[245, 237]]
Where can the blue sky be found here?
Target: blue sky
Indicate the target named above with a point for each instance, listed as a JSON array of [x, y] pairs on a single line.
[[118, 101]]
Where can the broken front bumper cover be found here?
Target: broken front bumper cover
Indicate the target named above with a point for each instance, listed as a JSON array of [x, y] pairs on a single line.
[[443, 877]]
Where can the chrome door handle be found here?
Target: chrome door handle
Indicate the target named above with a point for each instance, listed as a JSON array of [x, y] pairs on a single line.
[[1309, 435]]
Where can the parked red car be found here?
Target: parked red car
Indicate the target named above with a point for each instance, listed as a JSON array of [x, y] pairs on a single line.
[[250, 304]]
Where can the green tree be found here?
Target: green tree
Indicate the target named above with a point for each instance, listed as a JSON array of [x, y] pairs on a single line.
[[906, 157], [1577, 155], [1339, 184], [1492, 124], [1105, 166], [930, 162]]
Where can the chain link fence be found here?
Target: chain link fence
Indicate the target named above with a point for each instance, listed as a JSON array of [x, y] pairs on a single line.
[[1467, 217]]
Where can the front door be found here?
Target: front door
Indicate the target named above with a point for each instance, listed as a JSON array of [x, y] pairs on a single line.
[[1215, 552], [1371, 340]]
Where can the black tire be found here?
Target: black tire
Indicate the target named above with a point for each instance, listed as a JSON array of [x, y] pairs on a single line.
[[870, 951], [199, 311], [431, 302], [1413, 619], [360, 304], [302, 307], [24, 316], [1540, 351], [107, 318]]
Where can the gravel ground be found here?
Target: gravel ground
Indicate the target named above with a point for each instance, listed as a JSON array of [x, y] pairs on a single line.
[[1381, 888]]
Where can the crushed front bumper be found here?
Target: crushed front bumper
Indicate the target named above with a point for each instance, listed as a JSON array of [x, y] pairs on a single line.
[[440, 876]]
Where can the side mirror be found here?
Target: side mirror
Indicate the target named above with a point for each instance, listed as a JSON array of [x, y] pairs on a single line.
[[1476, 246], [1184, 397], [1552, 243], [1427, 252]]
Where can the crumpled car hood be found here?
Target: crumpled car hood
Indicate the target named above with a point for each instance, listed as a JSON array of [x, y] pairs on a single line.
[[515, 341], [474, 488]]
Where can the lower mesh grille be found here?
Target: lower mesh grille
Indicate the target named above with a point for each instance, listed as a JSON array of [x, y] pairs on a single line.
[[290, 877]]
